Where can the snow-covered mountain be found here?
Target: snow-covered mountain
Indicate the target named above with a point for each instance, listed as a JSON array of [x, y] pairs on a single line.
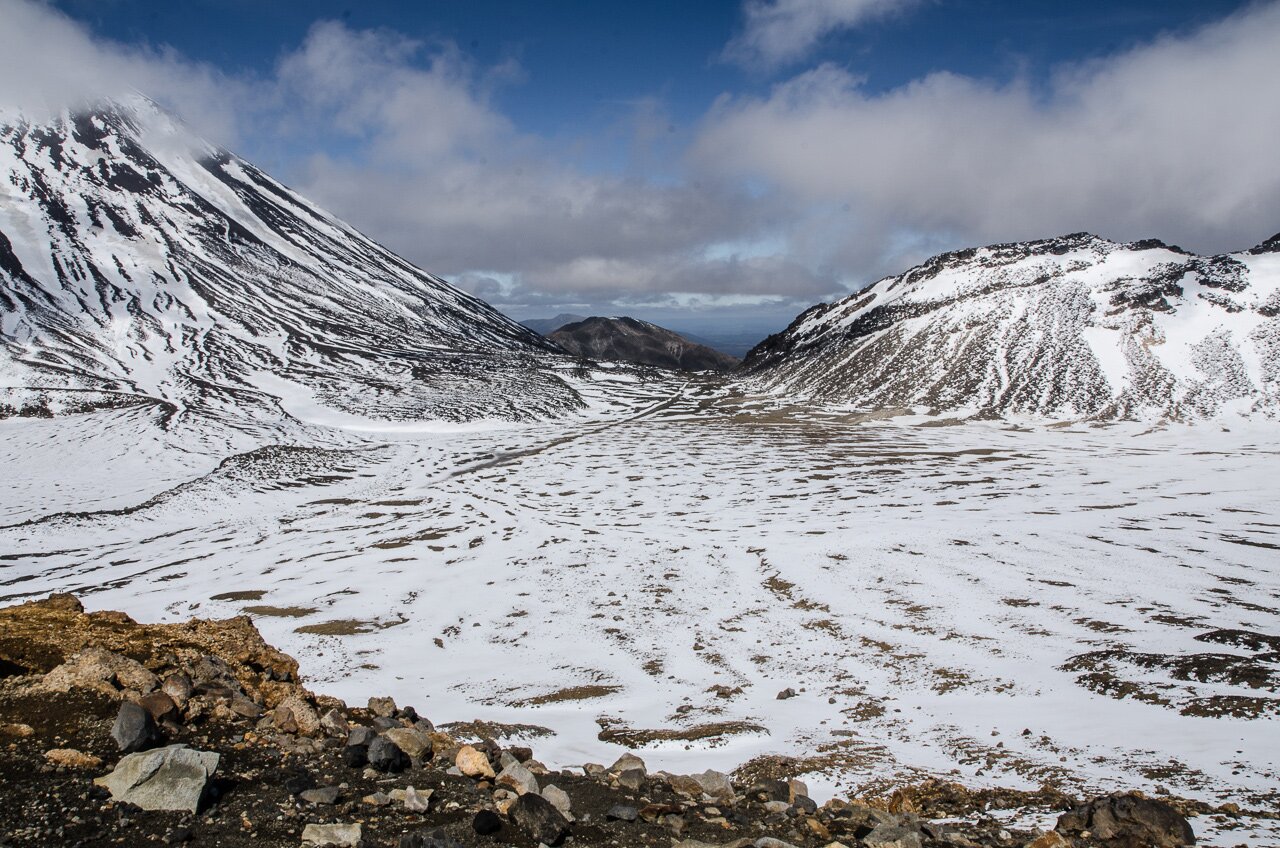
[[139, 264], [1071, 326]]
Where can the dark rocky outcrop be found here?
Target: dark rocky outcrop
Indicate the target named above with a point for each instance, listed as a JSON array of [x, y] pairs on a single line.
[[639, 342]]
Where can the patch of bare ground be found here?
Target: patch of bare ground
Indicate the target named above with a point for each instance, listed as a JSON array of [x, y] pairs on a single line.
[[278, 612], [617, 733], [348, 626], [480, 729], [568, 694]]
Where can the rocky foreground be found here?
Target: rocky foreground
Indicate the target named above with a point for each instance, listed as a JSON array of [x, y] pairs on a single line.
[[119, 733]]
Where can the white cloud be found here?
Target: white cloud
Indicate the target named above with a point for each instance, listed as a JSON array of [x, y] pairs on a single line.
[[780, 31], [1175, 139]]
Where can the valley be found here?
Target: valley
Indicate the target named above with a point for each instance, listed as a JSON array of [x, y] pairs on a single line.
[[1005, 604]]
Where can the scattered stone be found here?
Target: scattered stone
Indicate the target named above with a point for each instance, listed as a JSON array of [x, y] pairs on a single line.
[[355, 756], [412, 742], [1052, 839], [171, 778], [304, 715], [486, 822], [559, 799], [537, 817], [340, 835], [473, 763], [785, 694], [385, 755], [335, 723], [323, 795], [503, 799], [770, 842], [632, 779], [715, 785], [178, 687], [622, 812], [71, 758], [518, 778], [417, 800], [377, 799], [893, 836], [771, 790], [796, 789], [805, 805], [98, 669], [593, 769], [16, 731], [134, 729], [1128, 819], [160, 706], [629, 762], [382, 707], [360, 735]]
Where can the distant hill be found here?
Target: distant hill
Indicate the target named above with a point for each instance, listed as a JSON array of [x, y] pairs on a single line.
[[547, 326], [632, 340]]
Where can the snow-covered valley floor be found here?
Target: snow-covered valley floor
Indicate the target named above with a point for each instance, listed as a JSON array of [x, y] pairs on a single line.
[[1094, 606]]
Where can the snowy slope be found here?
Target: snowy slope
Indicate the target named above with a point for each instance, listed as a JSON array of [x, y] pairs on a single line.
[[1072, 326], [139, 263]]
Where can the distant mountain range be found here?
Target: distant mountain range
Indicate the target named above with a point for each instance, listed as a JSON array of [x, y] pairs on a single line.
[[141, 265], [632, 340], [1063, 327]]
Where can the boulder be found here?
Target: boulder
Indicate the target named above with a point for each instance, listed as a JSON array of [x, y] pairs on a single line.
[[304, 715], [628, 762], [385, 755], [412, 742], [538, 818], [473, 763], [340, 835], [134, 728], [416, 800], [360, 735], [171, 778], [519, 779], [98, 669], [178, 687], [715, 785], [160, 705], [622, 812], [382, 707], [894, 836], [1128, 820], [558, 798], [486, 822]]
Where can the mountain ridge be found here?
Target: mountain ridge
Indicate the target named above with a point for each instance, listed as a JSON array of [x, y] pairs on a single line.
[[1075, 325], [623, 339], [137, 259]]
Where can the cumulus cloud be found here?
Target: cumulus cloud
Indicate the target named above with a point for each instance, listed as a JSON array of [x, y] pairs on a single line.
[[1173, 139], [49, 62], [780, 31]]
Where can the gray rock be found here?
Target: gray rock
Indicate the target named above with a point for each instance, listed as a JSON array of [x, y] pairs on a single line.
[[360, 735], [770, 842], [537, 817], [632, 779], [340, 835], [178, 687], [715, 785], [628, 762], [786, 694], [1125, 819], [772, 790], [134, 728], [621, 812], [894, 836], [323, 795], [171, 778], [519, 778], [558, 798]]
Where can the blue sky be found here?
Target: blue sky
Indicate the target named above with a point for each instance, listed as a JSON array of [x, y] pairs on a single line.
[[714, 162]]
